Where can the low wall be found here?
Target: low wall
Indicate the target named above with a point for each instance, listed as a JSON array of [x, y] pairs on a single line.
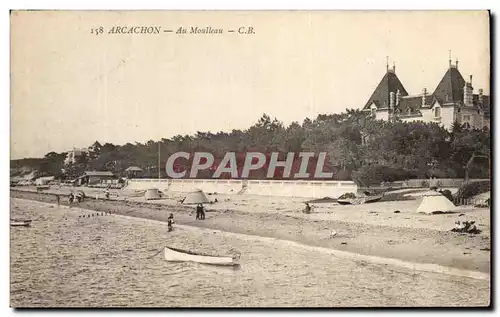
[[143, 184], [314, 189], [207, 185], [438, 182], [288, 188]]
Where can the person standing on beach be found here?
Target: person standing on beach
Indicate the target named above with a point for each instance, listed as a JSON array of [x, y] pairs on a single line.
[[307, 210], [170, 222], [71, 197], [198, 211], [202, 212], [58, 200]]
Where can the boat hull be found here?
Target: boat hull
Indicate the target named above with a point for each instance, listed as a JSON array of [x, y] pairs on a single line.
[[20, 224], [175, 255], [359, 200], [344, 201]]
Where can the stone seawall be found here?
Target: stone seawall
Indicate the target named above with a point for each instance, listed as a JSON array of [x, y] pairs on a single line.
[[286, 188]]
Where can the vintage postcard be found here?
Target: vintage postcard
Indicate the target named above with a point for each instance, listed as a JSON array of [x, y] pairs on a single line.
[[250, 159]]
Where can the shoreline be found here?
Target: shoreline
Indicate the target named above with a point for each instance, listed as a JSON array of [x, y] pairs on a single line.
[[415, 245], [428, 268]]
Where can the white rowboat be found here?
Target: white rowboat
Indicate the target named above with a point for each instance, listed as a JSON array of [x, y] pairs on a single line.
[[25, 223], [177, 255]]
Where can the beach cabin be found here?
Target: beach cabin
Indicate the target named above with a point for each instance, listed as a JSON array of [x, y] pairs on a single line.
[[95, 178], [133, 171]]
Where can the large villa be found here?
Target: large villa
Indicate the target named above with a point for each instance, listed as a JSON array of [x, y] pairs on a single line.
[[452, 100]]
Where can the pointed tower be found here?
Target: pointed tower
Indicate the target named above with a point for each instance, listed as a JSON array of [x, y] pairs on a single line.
[[390, 83], [451, 87]]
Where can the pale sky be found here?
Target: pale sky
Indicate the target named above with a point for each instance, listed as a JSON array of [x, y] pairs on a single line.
[[70, 88]]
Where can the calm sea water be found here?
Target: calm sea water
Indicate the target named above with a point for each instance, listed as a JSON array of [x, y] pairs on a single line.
[[66, 261]]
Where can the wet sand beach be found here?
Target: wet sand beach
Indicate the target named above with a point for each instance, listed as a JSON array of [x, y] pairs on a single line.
[[371, 229], [63, 260]]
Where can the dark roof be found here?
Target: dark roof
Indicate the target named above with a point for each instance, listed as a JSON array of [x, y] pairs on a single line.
[[414, 103], [451, 85], [99, 173], [389, 83]]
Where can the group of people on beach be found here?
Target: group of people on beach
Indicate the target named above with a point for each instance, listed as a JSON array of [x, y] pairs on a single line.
[[72, 197], [466, 227], [200, 215], [200, 212]]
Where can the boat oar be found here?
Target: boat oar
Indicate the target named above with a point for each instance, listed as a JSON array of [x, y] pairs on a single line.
[[156, 253]]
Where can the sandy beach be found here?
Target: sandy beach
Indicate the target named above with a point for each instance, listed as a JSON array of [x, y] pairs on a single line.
[[371, 229], [64, 260]]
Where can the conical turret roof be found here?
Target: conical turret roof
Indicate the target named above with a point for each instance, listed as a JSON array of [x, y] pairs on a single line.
[[451, 87], [389, 83]]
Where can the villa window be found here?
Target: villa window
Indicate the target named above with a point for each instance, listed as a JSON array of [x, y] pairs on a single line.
[[437, 112], [374, 112]]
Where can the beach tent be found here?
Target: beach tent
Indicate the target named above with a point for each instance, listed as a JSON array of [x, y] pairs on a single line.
[[152, 193], [435, 202], [197, 197], [133, 169]]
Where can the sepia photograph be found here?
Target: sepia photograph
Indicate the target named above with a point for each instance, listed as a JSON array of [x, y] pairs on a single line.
[[250, 159]]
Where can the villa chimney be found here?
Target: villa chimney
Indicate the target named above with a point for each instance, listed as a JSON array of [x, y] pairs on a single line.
[[468, 93], [424, 96], [398, 97], [391, 100]]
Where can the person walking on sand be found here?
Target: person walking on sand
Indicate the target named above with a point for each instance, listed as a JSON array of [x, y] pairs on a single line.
[[58, 199], [170, 222], [71, 198]]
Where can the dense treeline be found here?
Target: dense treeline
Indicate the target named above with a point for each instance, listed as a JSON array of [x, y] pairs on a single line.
[[357, 148]]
